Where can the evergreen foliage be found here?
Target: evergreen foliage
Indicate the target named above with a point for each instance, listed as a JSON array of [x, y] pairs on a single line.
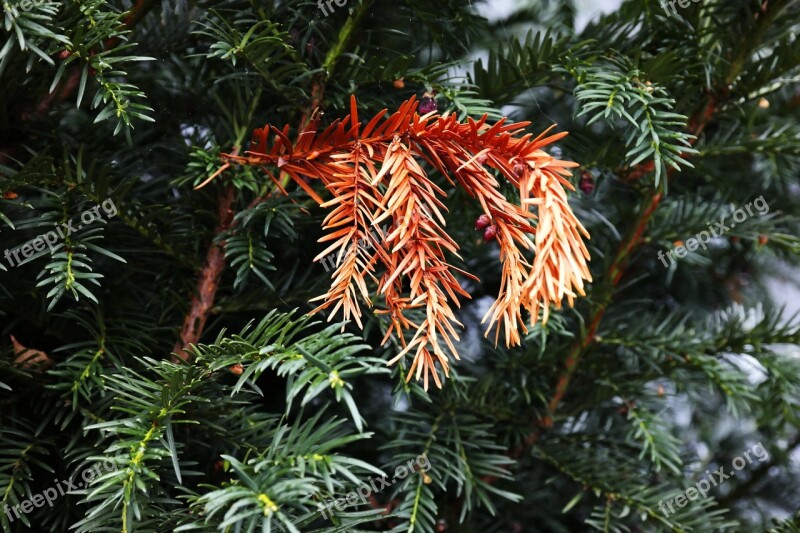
[[162, 343]]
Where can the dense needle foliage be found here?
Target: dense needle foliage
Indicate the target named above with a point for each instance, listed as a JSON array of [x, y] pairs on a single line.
[[159, 334]]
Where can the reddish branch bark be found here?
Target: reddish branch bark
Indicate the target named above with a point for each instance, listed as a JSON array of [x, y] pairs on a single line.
[[67, 88], [696, 126], [616, 270], [69, 84], [137, 13], [208, 281]]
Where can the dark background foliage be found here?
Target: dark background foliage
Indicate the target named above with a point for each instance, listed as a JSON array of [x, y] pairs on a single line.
[[656, 376]]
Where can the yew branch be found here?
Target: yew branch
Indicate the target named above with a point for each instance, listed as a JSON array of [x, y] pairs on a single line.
[[208, 280], [413, 255]]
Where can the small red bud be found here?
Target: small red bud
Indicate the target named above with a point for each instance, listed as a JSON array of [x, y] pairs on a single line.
[[64, 54], [519, 169], [586, 183], [481, 159], [763, 239], [427, 104], [490, 233], [482, 222], [237, 369]]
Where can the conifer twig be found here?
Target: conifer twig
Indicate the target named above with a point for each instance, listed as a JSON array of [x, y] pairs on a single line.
[[70, 84], [374, 176], [208, 280], [697, 125], [614, 275]]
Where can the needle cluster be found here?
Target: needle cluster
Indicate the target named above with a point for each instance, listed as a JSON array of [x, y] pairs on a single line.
[[375, 176]]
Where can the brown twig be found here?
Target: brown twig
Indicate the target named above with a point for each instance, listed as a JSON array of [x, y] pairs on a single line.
[[615, 272], [208, 281], [696, 126], [67, 88], [137, 13], [310, 117]]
